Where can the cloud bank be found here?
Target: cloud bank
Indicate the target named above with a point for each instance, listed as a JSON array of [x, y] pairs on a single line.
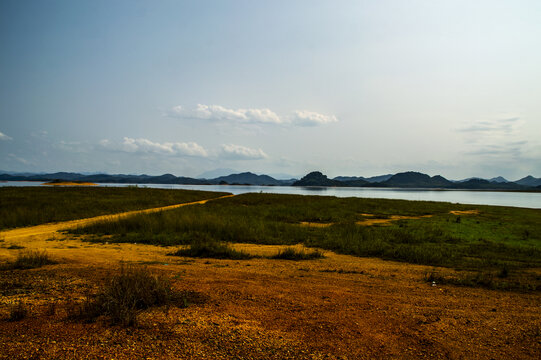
[[220, 113], [192, 149], [146, 146]]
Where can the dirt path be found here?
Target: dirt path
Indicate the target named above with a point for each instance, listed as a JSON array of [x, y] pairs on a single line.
[[51, 228], [388, 220], [367, 222]]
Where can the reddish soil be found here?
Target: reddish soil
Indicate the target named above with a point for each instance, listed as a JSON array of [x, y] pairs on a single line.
[[340, 307]]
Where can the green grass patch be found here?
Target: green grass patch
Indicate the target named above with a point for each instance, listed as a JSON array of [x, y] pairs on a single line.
[[24, 206], [495, 238]]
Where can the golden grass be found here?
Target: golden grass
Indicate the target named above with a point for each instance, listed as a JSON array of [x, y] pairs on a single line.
[[70, 183]]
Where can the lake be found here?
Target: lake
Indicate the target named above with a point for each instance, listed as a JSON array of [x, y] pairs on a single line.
[[501, 198]]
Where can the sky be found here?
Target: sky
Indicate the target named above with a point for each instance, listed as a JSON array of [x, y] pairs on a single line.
[[356, 88]]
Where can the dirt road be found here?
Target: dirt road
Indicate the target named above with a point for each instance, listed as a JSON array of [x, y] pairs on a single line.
[[51, 228]]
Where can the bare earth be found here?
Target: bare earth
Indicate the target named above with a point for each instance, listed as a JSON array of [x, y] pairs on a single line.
[[340, 307], [69, 183]]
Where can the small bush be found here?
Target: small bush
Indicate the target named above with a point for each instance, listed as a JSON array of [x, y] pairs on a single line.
[[30, 260], [290, 253], [504, 272], [127, 293], [17, 311], [212, 249], [482, 279]]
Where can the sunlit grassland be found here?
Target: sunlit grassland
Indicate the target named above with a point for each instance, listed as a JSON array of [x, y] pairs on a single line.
[[498, 240], [24, 206]]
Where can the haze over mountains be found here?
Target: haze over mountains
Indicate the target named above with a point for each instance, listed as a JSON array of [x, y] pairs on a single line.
[[408, 179]]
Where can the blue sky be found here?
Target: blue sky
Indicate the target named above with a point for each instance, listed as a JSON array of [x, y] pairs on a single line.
[[348, 87]]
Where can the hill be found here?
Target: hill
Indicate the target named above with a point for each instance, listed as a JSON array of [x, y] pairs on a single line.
[[481, 184], [316, 178], [529, 181], [417, 180], [372, 179], [499, 179], [247, 178]]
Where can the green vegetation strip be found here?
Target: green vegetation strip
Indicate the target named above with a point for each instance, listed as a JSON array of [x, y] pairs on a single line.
[[25, 206], [496, 238]]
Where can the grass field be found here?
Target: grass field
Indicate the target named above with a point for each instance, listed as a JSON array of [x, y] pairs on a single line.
[[239, 283], [498, 244], [24, 206]]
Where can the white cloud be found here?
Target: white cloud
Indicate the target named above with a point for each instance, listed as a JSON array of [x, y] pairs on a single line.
[[146, 146], [220, 113], [250, 116], [239, 152], [310, 118], [4, 137]]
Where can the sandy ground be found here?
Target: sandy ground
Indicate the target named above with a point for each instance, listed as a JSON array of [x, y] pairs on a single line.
[[386, 221], [340, 307]]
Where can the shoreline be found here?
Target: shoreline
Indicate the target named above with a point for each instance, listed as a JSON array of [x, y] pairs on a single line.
[[311, 187]]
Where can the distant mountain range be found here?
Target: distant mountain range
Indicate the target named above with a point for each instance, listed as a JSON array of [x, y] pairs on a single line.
[[246, 178], [413, 179], [408, 179]]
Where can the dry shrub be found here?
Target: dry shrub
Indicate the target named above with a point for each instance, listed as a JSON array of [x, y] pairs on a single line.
[[125, 295]]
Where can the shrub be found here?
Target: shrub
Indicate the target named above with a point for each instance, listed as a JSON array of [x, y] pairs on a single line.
[[290, 253], [17, 311], [126, 294], [30, 259], [212, 249], [483, 279]]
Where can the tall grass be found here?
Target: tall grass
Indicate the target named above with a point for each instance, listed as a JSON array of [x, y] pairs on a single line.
[[212, 249], [30, 259], [24, 206], [490, 240], [290, 253]]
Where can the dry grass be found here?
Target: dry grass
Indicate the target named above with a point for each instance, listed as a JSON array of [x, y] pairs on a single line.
[[291, 253], [125, 295], [30, 259]]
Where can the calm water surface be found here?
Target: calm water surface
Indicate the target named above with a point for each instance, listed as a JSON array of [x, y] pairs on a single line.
[[502, 198]]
